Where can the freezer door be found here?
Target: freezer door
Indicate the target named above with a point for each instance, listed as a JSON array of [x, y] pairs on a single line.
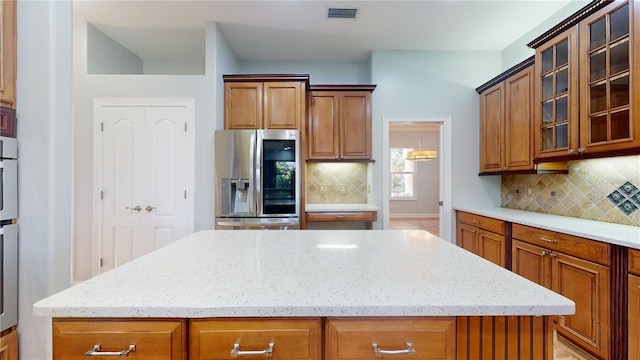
[[8, 189], [235, 173], [8, 276], [257, 224]]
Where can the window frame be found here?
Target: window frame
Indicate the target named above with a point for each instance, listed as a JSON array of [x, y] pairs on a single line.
[[414, 173]]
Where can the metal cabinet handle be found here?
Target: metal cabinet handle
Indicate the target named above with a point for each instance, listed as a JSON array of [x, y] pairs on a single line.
[[340, 217], [476, 221], [543, 253], [552, 255], [581, 150], [235, 352], [570, 151], [548, 240], [96, 351], [379, 352], [136, 209], [149, 208]]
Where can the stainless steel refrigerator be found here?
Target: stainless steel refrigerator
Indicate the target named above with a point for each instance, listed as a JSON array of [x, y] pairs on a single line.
[[257, 179], [8, 233]]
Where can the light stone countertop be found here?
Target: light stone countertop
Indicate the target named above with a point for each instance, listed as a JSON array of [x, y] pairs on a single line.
[[624, 235], [256, 273], [339, 207]]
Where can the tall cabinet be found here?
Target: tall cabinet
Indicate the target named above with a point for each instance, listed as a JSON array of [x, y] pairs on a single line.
[[8, 53]]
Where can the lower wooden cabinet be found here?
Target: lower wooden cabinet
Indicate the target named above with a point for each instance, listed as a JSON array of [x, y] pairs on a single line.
[[139, 339], [482, 236], [212, 339], [634, 317], [431, 338], [9, 345]]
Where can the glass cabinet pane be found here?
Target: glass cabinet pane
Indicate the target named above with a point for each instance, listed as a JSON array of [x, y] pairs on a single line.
[[547, 112], [547, 60], [620, 57], [547, 138], [597, 33], [619, 22], [562, 109], [547, 86], [619, 92], [562, 53], [598, 129], [620, 128], [598, 98], [562, 81], [562, 136], [598, 66]]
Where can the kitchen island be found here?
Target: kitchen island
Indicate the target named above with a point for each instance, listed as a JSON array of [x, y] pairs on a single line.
[[324, 288]]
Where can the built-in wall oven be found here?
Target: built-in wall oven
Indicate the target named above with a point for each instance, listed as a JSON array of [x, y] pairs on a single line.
[[8, 232], [257, 179]]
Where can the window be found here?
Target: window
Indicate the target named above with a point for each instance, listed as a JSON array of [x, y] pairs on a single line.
[[403, 174]]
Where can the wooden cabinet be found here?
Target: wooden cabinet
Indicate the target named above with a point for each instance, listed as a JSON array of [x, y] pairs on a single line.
[[368, 217], [8, 53], [576, 268], [419, 338], [634, 304], [506, 121], [278, 338], [339, 122], [9, 345], [482, 236], [264, 101], [586, 86], [142, 339]]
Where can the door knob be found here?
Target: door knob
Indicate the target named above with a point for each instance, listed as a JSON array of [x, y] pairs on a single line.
[[136, 209], [149, 208]]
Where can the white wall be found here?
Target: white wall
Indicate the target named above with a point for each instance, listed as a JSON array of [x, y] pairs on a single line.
[[105, 56], [45, 164], [427, 178], [166, 67], [437, 83]]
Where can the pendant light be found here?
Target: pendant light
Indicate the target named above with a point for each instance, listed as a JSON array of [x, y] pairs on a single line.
[[421, 155]]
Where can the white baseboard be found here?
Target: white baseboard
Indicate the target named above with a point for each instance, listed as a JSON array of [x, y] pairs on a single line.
[[413, 216]]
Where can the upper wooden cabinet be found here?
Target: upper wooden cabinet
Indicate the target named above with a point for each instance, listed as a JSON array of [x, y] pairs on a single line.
[[585, 84], [264, 101], [339, 124], [506, 121], [8, 53]]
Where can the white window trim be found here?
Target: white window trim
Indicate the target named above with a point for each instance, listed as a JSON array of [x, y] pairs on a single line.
[[414, 197]]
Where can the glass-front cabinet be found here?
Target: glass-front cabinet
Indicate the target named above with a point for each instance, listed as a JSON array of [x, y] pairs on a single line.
[[607, 84], [556, 111]]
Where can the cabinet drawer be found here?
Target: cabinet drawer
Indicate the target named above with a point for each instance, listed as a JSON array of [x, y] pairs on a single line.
[[430, 338], [583, 248], [482, 222], [634, 261], [7, 122], [291, 338], [343, 216], [153, 339]]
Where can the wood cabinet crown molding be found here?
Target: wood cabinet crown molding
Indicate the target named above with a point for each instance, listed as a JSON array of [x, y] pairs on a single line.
[[336, 87], [266, 77], [506, 74]]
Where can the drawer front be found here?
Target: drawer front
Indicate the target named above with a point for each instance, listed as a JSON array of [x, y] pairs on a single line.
[[580, 247], [298, 339], [482, 222], [634, 261], [7, 122], [430, 338], [343, 216], [161, 339]]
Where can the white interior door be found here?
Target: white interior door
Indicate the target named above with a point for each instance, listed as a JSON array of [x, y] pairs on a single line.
[[144, 180]]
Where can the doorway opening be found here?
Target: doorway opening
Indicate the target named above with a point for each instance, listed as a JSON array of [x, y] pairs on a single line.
[[417, 196]]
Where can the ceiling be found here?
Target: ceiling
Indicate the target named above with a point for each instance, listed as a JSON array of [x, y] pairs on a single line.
[[299, 30]]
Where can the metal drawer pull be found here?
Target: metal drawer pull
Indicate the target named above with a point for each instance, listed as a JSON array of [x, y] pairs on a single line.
[[548, 240], [340, 217], [96, 351], [379, 352], [476, 221], [235, 352]]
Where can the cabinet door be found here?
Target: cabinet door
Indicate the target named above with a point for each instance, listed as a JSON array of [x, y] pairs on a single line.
[[466, 238], [492, 247], [607, 79], [556, 116], [355, 125], [587, 284], [243, 102], [518, 127], [323, 125], [634, 317], [283, 105], [531, 262], [9, 346], [491, 133], [8, 53]]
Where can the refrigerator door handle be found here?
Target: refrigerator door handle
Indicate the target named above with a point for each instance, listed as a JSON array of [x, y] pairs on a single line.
[[257, 168]]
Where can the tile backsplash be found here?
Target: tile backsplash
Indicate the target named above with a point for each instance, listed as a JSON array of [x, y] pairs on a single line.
[[598, 189], [336, 183]]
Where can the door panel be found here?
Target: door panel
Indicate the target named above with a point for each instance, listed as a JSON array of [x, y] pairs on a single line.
[[492, 247], [466, 238], [531, 262]]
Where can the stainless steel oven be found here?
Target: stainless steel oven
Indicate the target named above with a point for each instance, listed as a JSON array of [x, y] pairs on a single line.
[[8, 232], [8, 178]]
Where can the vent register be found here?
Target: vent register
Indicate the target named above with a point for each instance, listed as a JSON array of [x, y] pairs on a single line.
[[342, 13]]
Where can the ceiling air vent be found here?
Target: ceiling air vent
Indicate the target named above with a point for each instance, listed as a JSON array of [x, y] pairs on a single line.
[[342, 13]]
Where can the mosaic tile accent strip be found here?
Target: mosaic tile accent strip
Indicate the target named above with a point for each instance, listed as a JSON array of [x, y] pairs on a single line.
[[597, 189], [626, 198], [324, 183]]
